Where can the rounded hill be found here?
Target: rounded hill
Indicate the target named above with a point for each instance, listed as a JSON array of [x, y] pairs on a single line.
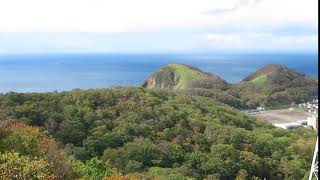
[[180, 77]]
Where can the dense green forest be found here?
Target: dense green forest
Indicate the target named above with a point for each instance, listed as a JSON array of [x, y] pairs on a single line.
[[139, 133]]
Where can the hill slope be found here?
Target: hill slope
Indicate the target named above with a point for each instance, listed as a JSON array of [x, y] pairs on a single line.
[[270, 85], [273, 74], [264, 71], [275, 84], [181, 77]]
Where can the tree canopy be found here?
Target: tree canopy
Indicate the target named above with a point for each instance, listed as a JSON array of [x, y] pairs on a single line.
[[138, 132]]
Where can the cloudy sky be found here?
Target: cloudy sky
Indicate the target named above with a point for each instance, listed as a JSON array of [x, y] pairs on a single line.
[[158, 26]]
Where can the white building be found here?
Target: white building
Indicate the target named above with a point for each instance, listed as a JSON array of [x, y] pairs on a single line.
[[313, 121]]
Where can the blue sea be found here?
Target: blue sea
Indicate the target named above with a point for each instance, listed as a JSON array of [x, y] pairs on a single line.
[[60, 72]]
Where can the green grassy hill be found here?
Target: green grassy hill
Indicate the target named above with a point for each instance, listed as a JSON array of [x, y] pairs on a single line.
[[182, 77], [274, 85], [270, 85], [186, 74], [264, 71], [260, 80]]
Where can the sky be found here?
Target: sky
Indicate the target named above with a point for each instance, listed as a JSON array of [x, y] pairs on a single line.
[[158, 26]]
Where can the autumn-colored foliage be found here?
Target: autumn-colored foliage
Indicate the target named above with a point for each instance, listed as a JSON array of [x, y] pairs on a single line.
[[15, 166], [27, 152]]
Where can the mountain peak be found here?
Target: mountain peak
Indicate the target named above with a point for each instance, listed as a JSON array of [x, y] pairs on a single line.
[[263, 73], [179, 77]]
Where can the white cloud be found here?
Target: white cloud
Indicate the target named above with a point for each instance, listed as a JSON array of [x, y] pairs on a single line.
[[224, 39], [235, 5], [138, 15], [261, 40], [157, 25]]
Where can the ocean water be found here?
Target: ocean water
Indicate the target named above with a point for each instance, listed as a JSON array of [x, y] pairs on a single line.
[[50, 72]]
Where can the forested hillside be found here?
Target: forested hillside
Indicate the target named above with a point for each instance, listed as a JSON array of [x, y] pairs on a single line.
[[274, 85], [142, 133]]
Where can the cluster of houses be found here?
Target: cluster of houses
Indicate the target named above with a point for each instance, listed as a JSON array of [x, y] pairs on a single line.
[[311, 106]]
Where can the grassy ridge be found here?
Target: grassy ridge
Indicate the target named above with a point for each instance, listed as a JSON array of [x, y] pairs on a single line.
[[186, 74], [260, 79]]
